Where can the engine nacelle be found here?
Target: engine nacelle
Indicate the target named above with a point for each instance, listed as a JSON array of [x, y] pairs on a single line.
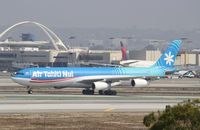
[[139, 83], [99, 85]]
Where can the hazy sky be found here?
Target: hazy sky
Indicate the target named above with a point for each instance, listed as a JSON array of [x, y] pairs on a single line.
[[162, 14]]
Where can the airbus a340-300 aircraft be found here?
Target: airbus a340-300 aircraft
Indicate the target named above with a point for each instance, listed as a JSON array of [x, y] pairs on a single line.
[[96, 79]]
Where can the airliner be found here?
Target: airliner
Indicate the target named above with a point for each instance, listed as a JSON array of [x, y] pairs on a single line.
[[96, 79], [133, 63]]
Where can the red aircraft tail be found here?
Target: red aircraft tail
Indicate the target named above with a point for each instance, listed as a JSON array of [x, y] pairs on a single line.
[[123, 50]]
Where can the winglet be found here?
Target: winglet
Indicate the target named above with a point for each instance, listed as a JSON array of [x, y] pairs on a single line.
[[168, 58]]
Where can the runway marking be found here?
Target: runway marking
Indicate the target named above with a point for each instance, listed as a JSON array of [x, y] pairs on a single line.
[[108, 109]]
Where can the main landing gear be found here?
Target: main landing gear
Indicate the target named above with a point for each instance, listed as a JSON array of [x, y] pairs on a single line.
[[101, 92], [107, 92], [88, 92]]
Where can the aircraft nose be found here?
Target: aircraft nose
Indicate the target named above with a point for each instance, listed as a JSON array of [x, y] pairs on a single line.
[[13, 74], [20, 80], [17, 80], [14, 79]]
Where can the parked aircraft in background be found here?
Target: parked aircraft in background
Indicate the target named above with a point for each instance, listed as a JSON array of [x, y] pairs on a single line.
[[123, 50], [136, 63], [133, 63], [96, 79], [184, 74]]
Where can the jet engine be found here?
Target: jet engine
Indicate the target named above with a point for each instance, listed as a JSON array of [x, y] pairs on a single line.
[[100, 85], [139, 83]]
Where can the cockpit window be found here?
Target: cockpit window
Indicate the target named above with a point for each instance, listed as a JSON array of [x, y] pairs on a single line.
[[19, 73]]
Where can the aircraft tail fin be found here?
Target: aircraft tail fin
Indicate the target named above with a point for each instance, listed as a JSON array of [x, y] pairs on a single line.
[[123, 50], [168, 58]]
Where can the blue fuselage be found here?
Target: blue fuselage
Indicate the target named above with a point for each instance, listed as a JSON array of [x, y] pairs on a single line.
[[65, 72]]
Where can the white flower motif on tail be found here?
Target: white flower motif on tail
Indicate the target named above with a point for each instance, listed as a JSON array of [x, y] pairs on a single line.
[[169, 58]]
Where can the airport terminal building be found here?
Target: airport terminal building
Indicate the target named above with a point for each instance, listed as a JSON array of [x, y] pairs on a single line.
[[30, 53], [43, 58], [184, 58]]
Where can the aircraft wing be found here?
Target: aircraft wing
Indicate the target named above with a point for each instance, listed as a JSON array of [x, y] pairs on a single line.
[[111, 78]]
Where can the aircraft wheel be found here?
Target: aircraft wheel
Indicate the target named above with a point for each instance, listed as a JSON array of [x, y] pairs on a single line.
[[30, 92], [107, 92], [114, 92], [87, 92], [101, 92], [110, 92], [91, 92], [83, 91]]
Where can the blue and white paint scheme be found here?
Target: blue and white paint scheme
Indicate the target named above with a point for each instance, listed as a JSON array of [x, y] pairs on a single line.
[[101, 79]]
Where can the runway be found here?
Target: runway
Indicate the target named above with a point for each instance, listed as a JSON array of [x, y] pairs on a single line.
[[14, 98], [80, 103]]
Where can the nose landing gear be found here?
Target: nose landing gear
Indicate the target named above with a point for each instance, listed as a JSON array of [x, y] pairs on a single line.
[[29, 90]]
